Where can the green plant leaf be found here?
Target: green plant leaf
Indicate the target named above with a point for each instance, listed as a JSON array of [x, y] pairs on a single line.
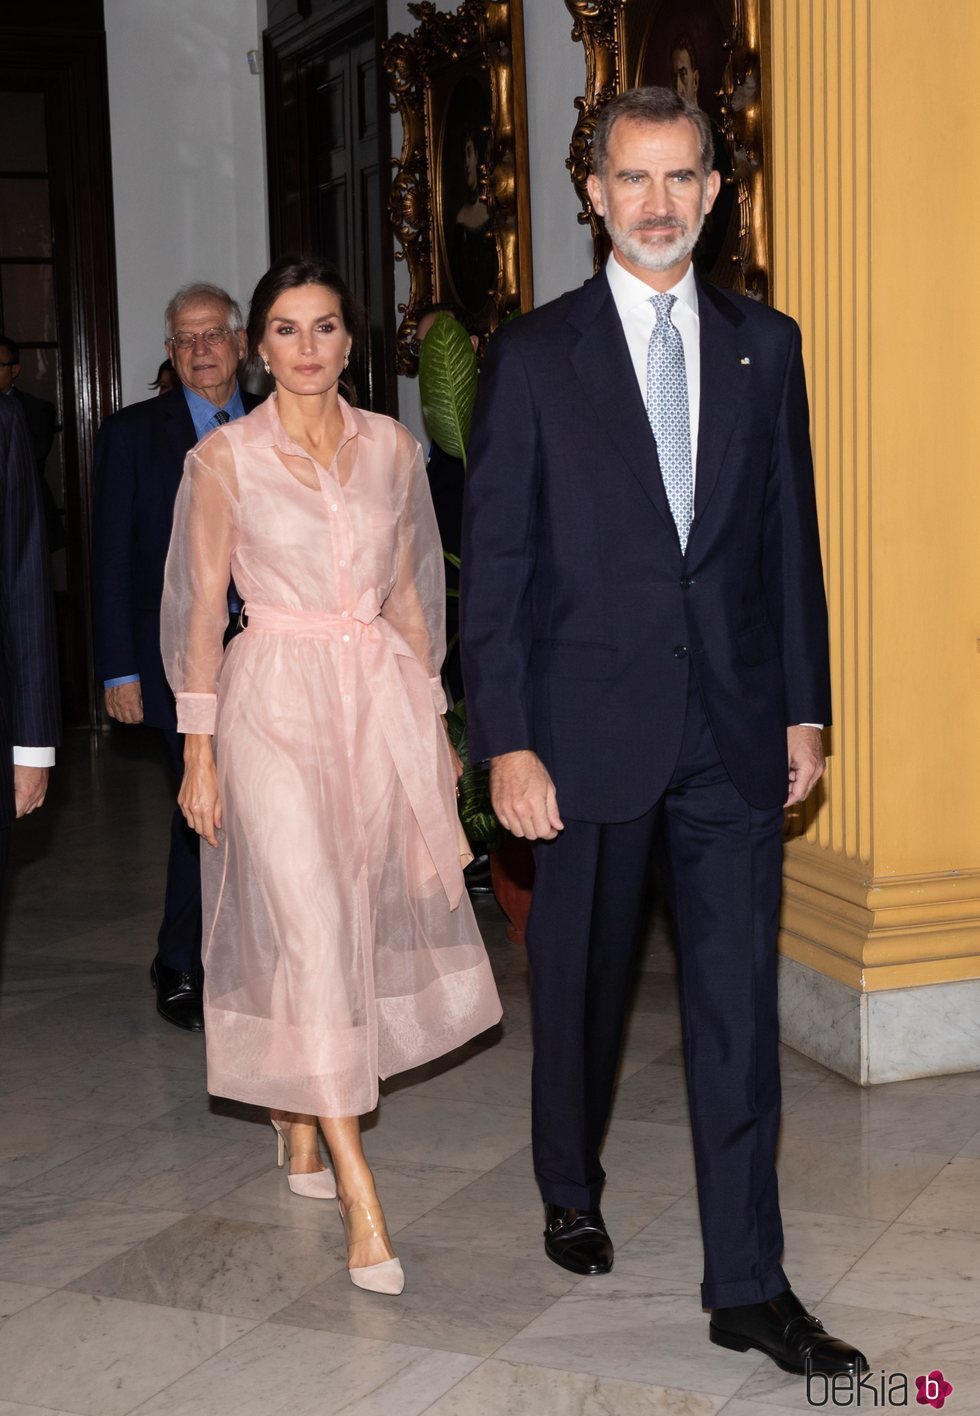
[[447, 385]]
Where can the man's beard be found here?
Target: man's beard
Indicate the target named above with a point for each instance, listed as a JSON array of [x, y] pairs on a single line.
[[665, 254]]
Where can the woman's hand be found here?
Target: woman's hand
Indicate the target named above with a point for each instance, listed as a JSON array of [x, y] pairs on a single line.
[[198, 796]]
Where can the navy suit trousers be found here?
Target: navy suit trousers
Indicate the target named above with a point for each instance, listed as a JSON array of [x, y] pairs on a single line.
[[179, 940], [723, 861]]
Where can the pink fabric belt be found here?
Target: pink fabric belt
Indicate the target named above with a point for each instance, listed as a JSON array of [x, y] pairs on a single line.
[[403, 697]]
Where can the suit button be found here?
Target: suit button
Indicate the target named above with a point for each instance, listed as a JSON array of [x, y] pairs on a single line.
[[680, 651]]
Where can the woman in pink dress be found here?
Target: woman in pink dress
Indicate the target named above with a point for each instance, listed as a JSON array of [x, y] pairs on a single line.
[[339, 943]]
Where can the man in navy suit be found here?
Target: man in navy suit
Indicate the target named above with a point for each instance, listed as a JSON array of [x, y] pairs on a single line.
[[645, 651], [30, 715], [139, 461]]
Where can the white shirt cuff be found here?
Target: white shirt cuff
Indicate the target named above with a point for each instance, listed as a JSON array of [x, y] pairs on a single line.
[[818, 726], [33, 756]]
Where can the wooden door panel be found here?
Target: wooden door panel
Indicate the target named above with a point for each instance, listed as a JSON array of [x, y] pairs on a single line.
[[324, 109]]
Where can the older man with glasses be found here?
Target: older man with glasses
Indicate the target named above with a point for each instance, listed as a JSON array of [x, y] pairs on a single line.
[[139, 460]]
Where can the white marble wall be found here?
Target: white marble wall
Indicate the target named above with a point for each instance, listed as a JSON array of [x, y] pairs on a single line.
[[880, 1037]]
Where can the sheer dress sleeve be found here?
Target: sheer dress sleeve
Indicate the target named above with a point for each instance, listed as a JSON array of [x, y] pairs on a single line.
[[416, 605], [194, 611]]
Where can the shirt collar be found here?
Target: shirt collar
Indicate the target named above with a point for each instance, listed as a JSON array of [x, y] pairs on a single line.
[[265, 427], [629, 291], [202, 412]]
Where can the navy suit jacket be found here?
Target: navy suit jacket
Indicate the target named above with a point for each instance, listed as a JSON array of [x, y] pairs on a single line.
[[139, 461], [30, 714], [580, 614]]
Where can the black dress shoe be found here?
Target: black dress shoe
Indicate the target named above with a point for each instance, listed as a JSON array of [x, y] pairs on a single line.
[[784, 1330], [178, 997], [577, 1240], [476, 876]]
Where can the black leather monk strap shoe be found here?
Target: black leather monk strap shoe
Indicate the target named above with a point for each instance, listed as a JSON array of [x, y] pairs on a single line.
[[178, 997], [784, 1330], [577, 1240]]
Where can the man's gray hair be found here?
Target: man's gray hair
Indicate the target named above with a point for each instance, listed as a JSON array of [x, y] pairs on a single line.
[[650, 105], [201, 290]]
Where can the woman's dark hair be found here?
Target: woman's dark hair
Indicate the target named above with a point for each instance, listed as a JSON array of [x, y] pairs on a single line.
[[165, 368], [289, 273]]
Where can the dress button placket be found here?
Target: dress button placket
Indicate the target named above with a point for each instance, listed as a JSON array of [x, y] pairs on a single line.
[[340, 534]]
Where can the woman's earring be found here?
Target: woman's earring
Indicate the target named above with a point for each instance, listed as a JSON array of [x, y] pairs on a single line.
[[267, 366], [346, 359]]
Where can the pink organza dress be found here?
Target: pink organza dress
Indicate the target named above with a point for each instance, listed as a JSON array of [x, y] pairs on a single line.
[[339, 943]]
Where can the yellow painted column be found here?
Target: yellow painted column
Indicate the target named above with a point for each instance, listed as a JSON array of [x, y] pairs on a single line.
[[876, 229]]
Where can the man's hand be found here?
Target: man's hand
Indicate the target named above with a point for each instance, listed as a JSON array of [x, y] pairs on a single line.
[[524, 797], [125, 702], [806, 762], [30, 788]]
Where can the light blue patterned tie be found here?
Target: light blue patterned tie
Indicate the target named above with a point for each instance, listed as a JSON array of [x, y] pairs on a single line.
[[670, 419]]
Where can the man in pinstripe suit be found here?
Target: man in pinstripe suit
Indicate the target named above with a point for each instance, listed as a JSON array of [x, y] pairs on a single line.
[[30, 719]]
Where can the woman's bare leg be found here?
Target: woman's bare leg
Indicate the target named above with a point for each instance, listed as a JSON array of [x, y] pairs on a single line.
[[303, 1140], [368, 1238]]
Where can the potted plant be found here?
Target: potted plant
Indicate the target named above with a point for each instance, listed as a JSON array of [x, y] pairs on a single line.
[[448, 375]]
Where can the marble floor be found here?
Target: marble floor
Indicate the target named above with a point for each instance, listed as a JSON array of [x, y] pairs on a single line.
[[153, 1261]]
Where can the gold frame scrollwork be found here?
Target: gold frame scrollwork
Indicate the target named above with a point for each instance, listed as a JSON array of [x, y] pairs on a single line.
[[487, 35], [745, 105]]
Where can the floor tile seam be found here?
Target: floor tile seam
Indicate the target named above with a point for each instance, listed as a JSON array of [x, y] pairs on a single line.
[[933, 1230], [76, 1110], [614, 1376], [620, 1381], [155, 1396], [51, 1289], [114, 1205], [971, 1142], [72, 1287], [546, 1308], [382, 1158], [879, 1150], [390, 1101], [234, 1185], [415, 1348], [482, 1362], [122, 1133]]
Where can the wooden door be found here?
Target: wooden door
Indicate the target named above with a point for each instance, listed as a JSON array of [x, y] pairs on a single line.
[[329, 157], [57, 276]]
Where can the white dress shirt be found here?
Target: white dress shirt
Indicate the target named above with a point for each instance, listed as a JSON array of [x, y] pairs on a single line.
[[632, 299], [33, 756]]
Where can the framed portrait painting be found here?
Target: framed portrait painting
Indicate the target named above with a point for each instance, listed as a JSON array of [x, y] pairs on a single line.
[[459, 200], [714, 53]]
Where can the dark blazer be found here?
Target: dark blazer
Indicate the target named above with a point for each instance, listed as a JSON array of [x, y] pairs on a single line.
[[580, 615], [30, 714], [139, 461]]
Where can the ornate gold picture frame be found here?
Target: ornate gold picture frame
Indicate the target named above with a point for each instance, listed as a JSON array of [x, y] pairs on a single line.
[[716, 52], [460, 202]]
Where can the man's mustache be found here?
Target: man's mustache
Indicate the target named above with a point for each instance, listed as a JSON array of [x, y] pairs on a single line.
[[672, 223]]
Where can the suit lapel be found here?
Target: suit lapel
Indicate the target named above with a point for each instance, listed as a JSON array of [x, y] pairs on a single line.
[[178, 430], [724, 380], [601, 360]]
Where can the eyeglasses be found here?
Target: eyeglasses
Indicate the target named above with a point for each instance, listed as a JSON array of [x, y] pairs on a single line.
[[211, 337]]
